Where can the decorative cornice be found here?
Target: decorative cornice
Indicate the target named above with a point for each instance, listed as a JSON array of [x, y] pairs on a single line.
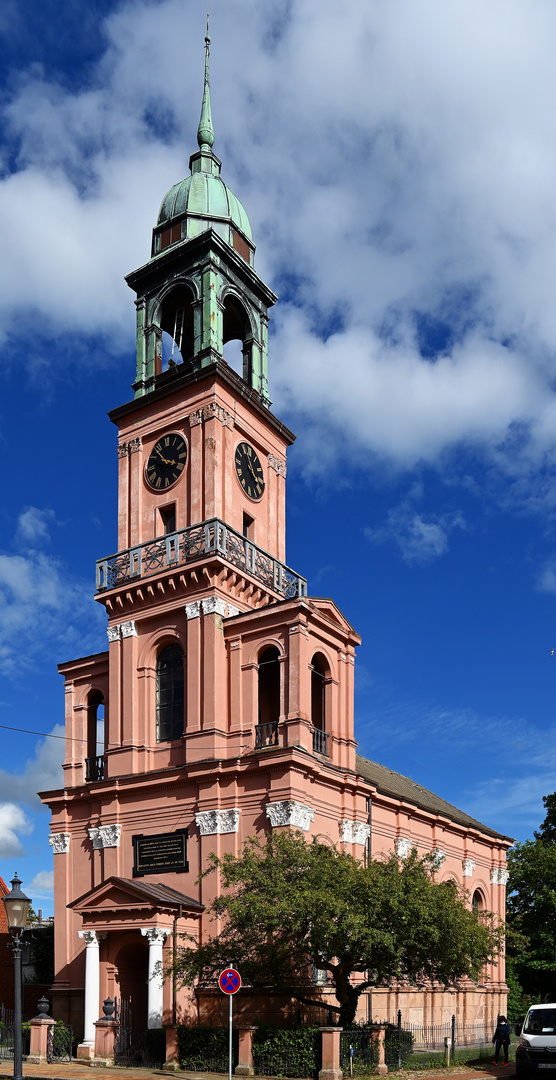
[[403, 847], [216, 822], [354, 832], [468, 867], [290, 813], [60, 843], [279, 467], [211, 411], [105, 836]]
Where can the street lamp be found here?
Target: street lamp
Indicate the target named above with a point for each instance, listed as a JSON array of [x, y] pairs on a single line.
[[17, 905]]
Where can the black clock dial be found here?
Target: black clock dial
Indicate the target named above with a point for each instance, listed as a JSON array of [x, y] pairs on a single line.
[[249, 471], [166, 461]]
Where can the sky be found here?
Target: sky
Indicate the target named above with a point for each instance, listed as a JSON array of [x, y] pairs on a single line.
[[398, 165]]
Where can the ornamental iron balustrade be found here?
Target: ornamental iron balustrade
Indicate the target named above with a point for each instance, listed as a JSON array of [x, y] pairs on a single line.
[[211, 537], [320, 742], [266, 735]]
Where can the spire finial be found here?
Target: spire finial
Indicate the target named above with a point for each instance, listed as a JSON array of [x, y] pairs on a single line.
[[205, 133]]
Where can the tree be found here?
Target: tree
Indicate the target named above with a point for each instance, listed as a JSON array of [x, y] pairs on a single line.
[[289, 906], [547, 831], [532, 914]]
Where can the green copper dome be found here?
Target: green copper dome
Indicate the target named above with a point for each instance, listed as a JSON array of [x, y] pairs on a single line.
[[203, 201]]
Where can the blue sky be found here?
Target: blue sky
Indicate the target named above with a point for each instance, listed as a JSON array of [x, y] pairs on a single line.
[[397, 162]]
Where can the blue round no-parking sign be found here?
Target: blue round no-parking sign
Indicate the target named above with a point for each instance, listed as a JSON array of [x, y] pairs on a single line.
[[230, 981]]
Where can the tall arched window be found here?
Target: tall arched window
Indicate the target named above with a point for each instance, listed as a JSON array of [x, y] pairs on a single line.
[[269, 697], [477, 902], [94, 762], [318, 704], [169, 694]]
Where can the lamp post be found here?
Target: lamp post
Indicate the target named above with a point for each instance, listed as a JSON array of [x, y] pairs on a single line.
[[17, 905]]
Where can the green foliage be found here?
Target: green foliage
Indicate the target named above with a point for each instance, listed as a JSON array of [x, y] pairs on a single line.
[[532, 917], [286, 1051], [288, 904], [203, 1048]]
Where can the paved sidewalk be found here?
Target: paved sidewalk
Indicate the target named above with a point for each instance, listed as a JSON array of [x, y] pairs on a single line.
[[77, 1071]]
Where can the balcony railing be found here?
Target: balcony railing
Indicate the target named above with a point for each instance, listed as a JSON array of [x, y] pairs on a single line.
[[94, 768], [266, 735], [320, 742], [211, 537]]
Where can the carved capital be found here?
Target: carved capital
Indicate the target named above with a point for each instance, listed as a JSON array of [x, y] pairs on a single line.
[[155, 935], [439, 857], [214, 605], [214, 822], [60, 843], [468, 867], [290, 813], [354, 832], [114, 633], [498, 876], [135, 444], [129, 629], [91, 938], [193, 610], [403, 847], [105, 836], [122, 449], [232, 611], [212, 411], [279, 467]]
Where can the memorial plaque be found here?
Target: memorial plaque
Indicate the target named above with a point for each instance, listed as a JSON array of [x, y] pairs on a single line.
[[160, 853]]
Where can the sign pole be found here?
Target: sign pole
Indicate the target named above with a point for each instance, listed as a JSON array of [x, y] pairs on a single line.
[[229, 983], [231, 996]]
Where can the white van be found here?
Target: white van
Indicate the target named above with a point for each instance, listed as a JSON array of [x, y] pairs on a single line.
[[537, 1041]]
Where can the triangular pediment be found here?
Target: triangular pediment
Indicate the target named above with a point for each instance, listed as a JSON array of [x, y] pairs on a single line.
[[329, 610], [123, 894]]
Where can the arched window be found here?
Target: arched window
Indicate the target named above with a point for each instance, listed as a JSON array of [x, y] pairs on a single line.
[[269, 697], [319, 673], [477, 902], [169, 694], [94, 762], [236, 338], [317, 693], [176, 323]]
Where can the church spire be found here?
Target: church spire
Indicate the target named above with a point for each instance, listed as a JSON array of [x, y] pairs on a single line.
[[205, 133]]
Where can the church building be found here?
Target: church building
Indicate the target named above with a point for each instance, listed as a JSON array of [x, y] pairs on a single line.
[[226, 690]]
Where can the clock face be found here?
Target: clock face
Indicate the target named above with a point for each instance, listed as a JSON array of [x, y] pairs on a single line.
[[166, 461], [249, 470]]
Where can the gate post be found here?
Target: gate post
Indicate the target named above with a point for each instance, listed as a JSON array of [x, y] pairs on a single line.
[[244, 1065], [330, 1054], [106, 1030], [377, 1035], [172, 1061], [40, 1025]]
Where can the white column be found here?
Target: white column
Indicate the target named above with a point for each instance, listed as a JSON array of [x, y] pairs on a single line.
[[92, 984], [156, 939]]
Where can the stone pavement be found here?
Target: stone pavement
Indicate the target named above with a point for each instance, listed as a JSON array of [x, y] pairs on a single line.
[[78, 1071]]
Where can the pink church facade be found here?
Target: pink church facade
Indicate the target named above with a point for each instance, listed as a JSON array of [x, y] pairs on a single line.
[[227, 691]]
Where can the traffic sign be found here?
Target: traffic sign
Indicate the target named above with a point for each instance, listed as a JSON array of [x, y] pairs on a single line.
[[230, 981]]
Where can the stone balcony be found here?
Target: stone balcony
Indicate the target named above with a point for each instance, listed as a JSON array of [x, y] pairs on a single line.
[[191, 545]]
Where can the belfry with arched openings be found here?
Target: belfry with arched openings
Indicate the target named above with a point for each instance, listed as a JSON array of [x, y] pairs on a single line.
[[224, 704]]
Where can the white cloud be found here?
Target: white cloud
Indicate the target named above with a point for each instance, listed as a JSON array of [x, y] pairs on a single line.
[[420, 537], [42, 772], [546, 580], [33, 524], [13, 824], [42, 884], [419, 227]]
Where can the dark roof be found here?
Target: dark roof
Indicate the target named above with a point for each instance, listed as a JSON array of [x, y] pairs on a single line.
[[401, 787], [156, 894]]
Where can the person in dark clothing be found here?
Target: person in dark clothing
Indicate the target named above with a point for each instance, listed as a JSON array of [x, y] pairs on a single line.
[[500, 1038]]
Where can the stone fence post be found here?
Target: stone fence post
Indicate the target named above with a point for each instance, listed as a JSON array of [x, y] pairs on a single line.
[[377, 1036], [330, 1054], [244, 1065], [172, 1061], [106, 1030], [40, 1026]]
